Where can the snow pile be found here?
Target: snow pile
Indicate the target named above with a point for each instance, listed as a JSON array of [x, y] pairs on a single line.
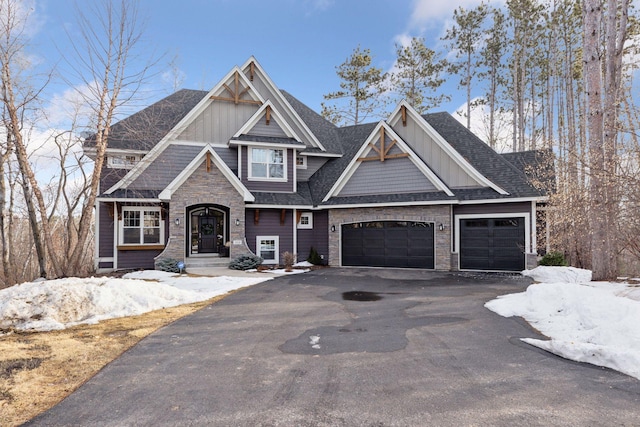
[[558, 274], [595, 322], [58, 304]]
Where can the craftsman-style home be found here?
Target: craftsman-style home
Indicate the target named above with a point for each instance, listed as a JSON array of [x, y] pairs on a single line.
[[203, 177]]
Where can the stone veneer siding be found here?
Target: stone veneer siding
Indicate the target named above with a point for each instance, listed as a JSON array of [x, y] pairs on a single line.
[[436, 214], [204, 187]]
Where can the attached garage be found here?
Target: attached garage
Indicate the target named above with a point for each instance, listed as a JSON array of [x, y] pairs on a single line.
[[492, 244], [401, 244]]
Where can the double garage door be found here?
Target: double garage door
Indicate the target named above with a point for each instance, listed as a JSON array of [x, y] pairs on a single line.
[[486, 244], [406, 244], [492, 244]]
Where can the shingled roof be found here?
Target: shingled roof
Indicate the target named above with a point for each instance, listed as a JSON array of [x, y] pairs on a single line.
[[144, 129]]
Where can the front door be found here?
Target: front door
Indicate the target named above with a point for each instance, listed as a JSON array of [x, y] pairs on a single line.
[[207, 236]]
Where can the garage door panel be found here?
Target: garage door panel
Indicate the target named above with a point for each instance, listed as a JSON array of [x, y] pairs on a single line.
[[388, 244], [492, 244]]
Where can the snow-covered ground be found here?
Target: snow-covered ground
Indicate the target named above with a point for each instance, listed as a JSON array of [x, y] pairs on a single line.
[[593, 322], [58, 304]]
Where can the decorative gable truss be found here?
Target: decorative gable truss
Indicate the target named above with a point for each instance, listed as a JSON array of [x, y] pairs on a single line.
[[266, 122], [261, 80], [210, 158], [385, 164], [405, 113], [235, 88]]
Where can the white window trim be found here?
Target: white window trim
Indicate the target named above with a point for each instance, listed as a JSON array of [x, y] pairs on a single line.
[[276, 239], [307, 215], [141, 209], [117, 161], [304, 162], [259, 178]]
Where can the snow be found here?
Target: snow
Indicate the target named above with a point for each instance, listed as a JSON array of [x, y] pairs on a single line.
[[593, 322], [59, 304]]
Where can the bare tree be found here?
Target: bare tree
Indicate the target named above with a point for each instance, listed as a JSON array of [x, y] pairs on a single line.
[[104, 58], [603, 76]]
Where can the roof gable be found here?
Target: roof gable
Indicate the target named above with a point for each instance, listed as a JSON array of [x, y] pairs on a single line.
[[384, 144], [255, 73], [404, 113], [208, 155], [267, 121]]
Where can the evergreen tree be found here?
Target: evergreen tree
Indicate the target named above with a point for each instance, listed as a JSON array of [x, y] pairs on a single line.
[[361, 87], [418, 75]]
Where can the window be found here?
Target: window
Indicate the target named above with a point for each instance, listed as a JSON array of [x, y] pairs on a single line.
[[301, 162], [267, 163], [306, 220], [122, 162], [141, 225], [267, 248]]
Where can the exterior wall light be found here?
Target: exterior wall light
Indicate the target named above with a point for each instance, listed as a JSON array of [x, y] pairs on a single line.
[[177, 221], [441, 227], [333, 228], [237, 222]]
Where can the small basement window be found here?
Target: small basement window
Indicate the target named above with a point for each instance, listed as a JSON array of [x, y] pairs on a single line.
[[306, 220], [267, 248]]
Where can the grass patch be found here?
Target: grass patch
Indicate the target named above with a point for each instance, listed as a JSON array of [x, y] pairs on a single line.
[[39, 369]]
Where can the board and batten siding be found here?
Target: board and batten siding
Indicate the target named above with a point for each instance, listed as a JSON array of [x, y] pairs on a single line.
[[269, 225], [317, 237], [218, 122], [268, 186], [313, 164], [259, 83], [389, 177], [434, 156]]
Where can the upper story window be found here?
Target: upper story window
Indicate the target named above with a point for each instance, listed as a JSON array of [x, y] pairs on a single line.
[[267, 163], [122, 161], [301, 162], [141, 225], [306, 220]]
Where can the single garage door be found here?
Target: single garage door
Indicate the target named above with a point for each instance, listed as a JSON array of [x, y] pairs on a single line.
[[492, 244], [405, 244]]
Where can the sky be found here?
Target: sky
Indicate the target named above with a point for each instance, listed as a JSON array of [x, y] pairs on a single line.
[[299, 43], [585, 321]]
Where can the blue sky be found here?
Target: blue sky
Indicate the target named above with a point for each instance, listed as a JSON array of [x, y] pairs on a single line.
[[298, 42]]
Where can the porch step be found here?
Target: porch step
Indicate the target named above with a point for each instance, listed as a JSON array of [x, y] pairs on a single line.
[[206, 262]]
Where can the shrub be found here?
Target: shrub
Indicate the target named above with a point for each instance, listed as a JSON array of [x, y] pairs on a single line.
[[314, 257], [169, 265], [288, 259], [554, 259], [245, 262]]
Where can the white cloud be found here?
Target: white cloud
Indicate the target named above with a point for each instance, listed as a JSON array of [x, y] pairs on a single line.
[[69, 105], [480, 125]]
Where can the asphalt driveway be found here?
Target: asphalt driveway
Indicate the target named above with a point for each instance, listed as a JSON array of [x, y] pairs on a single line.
[[351, 347]]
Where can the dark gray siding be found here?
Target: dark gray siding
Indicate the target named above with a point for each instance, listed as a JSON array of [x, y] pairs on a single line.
[[266, 185], [106, 230], [313, 164], [166, 167], [316, 237], [229, 156], [137, 259], [269, 225], [389, 177], [110, 176]]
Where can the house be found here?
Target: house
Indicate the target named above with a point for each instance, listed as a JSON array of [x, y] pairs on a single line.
[[204, 177]]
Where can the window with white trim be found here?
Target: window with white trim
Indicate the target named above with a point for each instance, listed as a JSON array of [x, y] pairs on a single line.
[[122, 162], [267, 163], [267, 248], [306, 220], [141, 225], [301, 162]]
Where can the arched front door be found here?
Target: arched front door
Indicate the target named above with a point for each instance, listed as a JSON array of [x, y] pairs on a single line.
[[208, 230]]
